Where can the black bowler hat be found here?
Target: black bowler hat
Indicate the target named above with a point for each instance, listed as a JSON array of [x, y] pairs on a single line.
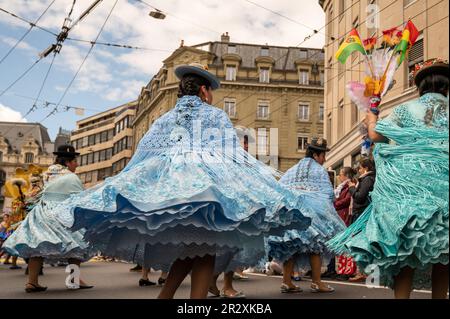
[[319, 143], [66, 151], [431, 66]]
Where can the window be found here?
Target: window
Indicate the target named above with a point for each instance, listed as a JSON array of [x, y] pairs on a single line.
[[88, 178], [302, 142], [96, 157], [322, 78], [304, 77], [29, 158], [230, 108], [102, 155], [130, 143], [415, 56], [91, 140], [264, 75], [264, 51], [110, 134], [231, 73], [263, 110], [117, 128], [126, 121], [321, 112], [104, 173], [231, 49], [355, 113], [85, 141], [329, 128], [83, 178], [263, 141], [108, 153], [303, 112], [340, 122], [83, 160], [103, 136]]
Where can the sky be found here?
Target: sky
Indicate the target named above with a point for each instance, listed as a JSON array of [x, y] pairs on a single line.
[[113, 76]]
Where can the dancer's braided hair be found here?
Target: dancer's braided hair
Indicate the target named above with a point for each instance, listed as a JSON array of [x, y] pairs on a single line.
[[191, 84]]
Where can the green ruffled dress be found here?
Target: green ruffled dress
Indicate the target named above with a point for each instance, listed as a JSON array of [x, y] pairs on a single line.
[[407, 221]]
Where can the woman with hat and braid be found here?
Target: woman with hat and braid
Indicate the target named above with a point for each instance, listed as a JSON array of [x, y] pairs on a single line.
[[306, 249], [403, 233], [41, 236]]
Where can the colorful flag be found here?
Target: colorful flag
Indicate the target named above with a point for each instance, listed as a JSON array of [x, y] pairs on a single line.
[[388, 37], [369, 44], [409, 37], [351, 44]]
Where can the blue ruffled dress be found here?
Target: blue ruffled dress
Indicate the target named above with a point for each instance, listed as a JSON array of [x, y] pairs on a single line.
[[310, 182], [189, 190], [41, 234], [407, 223]]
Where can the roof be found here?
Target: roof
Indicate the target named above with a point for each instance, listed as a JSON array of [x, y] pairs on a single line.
[[284, 57], [16, 133]]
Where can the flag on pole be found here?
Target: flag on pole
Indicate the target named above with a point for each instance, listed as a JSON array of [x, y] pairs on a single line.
[[409, 37], [369, 44], [351, 44]]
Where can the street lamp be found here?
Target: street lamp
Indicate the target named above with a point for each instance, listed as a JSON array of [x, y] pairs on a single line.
[[157, 14]]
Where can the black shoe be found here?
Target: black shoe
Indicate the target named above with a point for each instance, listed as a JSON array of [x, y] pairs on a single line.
[[35, 288], [136, 268], [15, 267], [342, 277], [161, 281], [146, 282]]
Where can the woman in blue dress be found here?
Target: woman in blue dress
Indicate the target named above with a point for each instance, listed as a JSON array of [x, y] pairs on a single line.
[[186, 196], [403, 234], [41, 236], [306, 248]]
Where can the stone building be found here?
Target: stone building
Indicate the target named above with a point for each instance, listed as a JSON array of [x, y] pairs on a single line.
[[22, 144]]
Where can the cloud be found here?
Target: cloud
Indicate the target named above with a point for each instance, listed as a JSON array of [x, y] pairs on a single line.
[[7, 114], [22, 45]]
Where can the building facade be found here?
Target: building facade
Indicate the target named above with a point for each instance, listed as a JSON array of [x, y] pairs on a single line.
[[342, 117], [277, 91], [104, 142], [22, 144]]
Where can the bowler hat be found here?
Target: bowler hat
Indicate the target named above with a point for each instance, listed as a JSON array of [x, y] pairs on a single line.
[[318, 143], [200, 70], [66, 151]]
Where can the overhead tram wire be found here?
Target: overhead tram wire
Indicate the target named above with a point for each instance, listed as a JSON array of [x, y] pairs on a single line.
[[32, 25], [283, 16], [81, 65], [28, 22]]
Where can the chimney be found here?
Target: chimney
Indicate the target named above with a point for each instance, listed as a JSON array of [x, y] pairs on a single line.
[[225, 37]]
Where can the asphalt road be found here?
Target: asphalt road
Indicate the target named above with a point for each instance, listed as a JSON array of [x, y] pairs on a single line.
[[113, 280]]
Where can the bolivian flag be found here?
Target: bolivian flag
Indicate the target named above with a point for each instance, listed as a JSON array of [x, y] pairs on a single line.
[[351, 44], [409, 37]]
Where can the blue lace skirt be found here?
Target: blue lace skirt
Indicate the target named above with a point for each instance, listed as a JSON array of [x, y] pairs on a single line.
[[182, 206], [41, 235], [299, 244]]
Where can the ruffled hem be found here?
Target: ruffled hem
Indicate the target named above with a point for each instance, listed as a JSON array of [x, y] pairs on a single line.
[[422, 240]]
